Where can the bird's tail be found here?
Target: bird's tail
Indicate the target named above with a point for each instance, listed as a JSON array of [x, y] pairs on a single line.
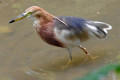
[[99, 29]]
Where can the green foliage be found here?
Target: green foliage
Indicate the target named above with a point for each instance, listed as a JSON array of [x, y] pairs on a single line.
[[102, 72]]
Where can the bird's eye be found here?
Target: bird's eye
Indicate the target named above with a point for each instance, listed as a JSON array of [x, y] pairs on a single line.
[[38, 15]]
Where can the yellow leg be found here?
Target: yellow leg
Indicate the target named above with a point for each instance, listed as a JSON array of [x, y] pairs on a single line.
[[92, 57], [87, 53], [69, 63]]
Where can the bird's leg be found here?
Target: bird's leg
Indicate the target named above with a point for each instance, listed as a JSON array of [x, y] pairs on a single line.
[[69, 63], [87, 53], [70, 53]]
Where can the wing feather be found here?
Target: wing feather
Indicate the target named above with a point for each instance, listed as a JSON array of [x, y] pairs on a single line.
[[79, 28], [75, 28]]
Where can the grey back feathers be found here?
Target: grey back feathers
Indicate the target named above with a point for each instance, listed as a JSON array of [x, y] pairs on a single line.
[[72, 28], [99, 29]]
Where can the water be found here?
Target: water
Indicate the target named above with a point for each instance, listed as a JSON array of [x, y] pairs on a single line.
[[24, 56]]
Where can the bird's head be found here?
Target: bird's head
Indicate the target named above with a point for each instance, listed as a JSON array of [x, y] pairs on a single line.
[[34, 12]]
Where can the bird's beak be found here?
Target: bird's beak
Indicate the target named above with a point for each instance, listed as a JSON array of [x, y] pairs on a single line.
[[22, 16]]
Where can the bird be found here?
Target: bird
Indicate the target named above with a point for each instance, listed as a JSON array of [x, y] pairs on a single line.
[[64, 31]]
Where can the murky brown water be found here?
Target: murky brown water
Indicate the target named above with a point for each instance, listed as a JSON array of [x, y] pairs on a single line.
[[24, 56]]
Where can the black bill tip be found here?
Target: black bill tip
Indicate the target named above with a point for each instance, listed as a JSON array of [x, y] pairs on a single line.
[[12, 21]]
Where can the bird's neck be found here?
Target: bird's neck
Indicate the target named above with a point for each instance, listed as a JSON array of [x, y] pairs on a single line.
[[45, 20]]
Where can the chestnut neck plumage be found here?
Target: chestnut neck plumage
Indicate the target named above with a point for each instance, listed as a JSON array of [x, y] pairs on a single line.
[[44, 26], [42, 20], [45, 18]]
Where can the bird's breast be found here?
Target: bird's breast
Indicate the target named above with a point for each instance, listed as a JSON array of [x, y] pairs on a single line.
[[47, 34]]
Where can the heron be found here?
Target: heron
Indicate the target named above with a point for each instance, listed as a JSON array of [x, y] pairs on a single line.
[[64, 31]]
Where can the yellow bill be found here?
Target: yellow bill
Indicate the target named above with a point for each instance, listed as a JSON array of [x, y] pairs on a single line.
[[22, 16]]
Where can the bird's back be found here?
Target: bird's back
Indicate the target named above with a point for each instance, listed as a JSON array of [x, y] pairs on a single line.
[[72, 30]]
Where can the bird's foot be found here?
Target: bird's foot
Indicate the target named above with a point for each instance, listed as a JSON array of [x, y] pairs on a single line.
[[68, 65], [92, 57]]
